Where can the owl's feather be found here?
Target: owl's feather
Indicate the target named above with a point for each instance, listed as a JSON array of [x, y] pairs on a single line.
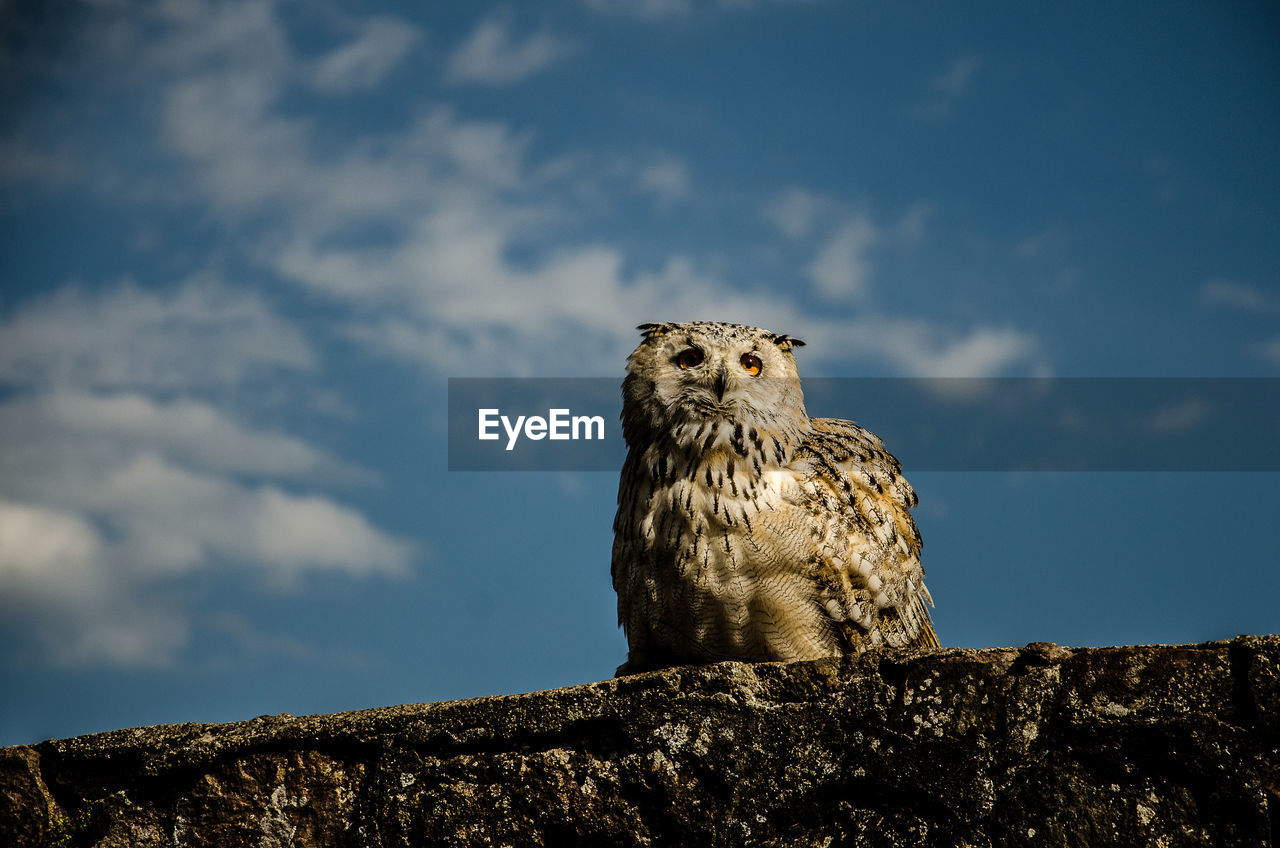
[[745, 529], [874, 560]]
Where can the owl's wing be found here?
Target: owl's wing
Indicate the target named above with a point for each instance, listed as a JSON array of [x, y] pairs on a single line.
[[868, 562]]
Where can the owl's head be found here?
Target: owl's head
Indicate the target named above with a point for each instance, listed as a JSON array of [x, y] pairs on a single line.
[[686, 379]]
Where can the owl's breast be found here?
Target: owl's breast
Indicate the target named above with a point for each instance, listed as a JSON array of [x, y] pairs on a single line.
[[718, 559]]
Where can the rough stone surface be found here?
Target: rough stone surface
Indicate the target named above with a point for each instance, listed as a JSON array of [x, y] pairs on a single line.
[[1152, 745]]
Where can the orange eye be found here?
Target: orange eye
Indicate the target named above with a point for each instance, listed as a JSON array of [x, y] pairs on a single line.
[[690, 358], [751, 363]]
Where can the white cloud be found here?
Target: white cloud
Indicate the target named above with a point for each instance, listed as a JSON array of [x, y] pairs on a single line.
[[666, 178], [1238, 296], [1165, 174], [585, 296], [484, 155], [1180, 417], [1229, 294], [108, 494], [114, 455], [224, 36], [174, 520], [841, 268], [461, 194], [651, 10], [1270, 351], [44, 549], [666, 10], [983, 352], [493, 55], [75, 426], [94, 529], [948, 87], [92, 595], [55, 583], [915, 347], [796, 212], [914, 223], [364, 62], [750, 4], [1038, 244], [222, 123], [245, 157], [957, 78], [298, 534], [162, 474], [24, 161], [200, 334]]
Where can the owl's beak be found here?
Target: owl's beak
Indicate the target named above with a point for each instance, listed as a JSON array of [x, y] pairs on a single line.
[[722, 382]]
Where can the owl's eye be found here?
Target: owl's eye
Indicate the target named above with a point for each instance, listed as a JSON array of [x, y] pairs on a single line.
[[751, 363], [689, 358]]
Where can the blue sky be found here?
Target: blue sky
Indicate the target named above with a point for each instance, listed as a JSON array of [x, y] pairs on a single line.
[[244, 244]]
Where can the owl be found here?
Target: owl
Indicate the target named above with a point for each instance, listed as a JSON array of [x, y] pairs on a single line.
[[747, 530]]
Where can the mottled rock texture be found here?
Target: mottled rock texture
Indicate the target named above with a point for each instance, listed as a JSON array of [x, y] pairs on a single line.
[[1152, 745]]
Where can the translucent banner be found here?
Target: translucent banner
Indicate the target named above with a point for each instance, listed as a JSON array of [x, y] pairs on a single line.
[[1006, 424]]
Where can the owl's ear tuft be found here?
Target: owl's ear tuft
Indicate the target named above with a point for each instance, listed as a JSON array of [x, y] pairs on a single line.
[[786, 342], [651, 330]]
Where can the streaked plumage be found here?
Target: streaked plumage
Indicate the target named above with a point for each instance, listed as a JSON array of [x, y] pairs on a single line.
[[745, 529]]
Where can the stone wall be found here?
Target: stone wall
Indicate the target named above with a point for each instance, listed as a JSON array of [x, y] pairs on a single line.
[[1151, 745]]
